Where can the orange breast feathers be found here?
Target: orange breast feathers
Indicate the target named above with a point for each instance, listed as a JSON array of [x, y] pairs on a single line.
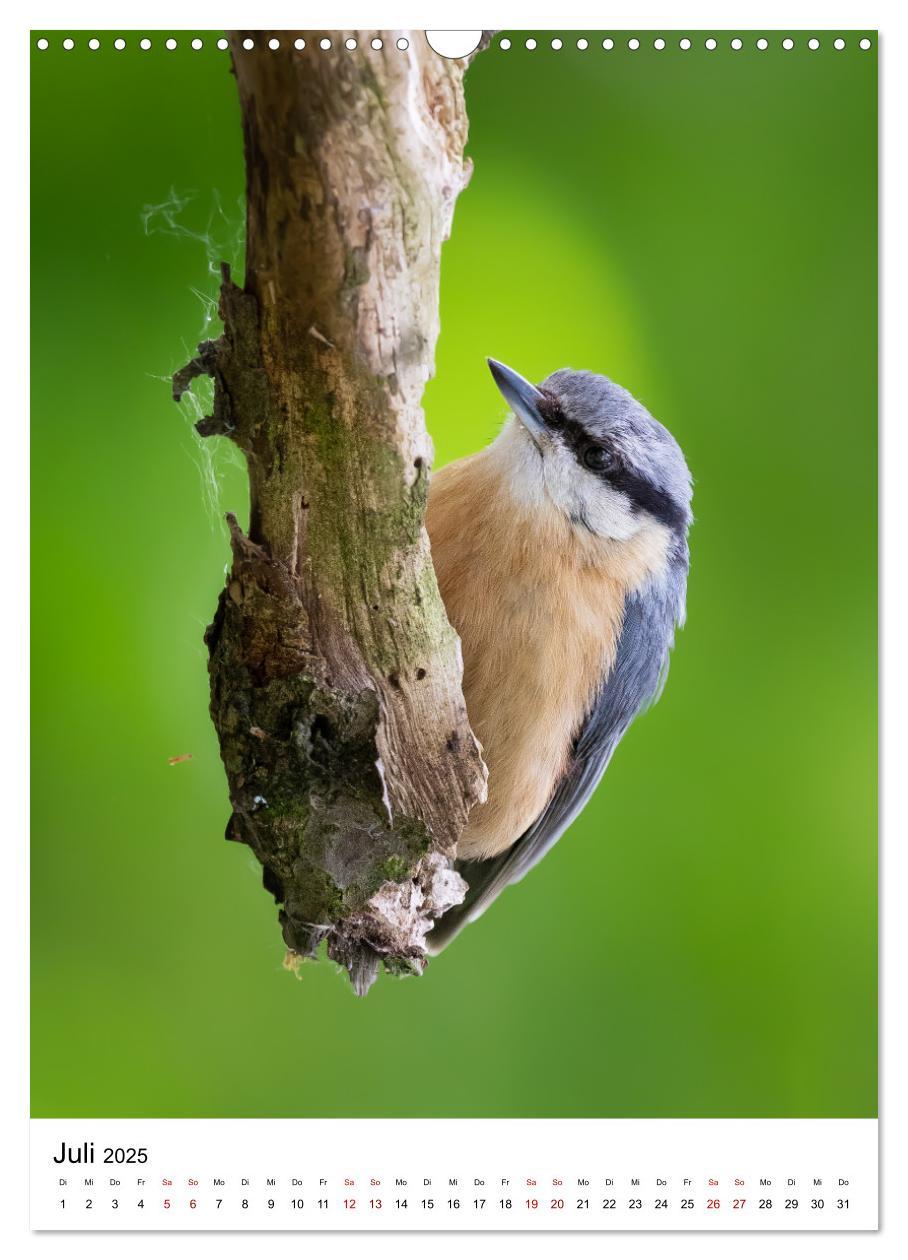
[[538, 606]]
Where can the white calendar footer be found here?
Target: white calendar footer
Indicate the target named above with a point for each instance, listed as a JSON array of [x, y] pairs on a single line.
[[453, 1174]]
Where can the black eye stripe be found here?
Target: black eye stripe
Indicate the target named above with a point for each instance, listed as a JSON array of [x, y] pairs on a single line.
[[643, 493], [649, 498], [575, 436]]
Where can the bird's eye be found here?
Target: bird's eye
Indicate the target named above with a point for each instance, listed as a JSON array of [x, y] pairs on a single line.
[[598, 458]]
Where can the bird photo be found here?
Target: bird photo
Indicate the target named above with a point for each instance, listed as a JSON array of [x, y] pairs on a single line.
[[562, 558], [454, 538]]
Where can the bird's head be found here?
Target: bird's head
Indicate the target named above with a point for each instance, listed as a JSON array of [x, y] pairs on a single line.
[[588, 448]]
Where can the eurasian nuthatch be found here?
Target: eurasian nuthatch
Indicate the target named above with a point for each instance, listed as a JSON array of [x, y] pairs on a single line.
[[561, 554]]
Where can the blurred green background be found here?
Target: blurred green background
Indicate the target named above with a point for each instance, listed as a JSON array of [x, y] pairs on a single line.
[[700, 225]]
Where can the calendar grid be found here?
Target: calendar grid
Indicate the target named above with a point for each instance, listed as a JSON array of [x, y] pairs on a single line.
[[492, 1175]]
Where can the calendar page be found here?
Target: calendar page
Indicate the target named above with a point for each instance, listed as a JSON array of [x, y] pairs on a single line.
[[454, 630]]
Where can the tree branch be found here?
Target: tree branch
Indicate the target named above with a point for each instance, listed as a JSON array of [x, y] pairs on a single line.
[[335, 676]]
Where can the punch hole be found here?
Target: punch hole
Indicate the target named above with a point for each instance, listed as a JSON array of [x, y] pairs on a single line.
[[69, 44], [298, 44], [762, 44], [43, 45], [684, 44], [249, 44], [583, 44], [119, 44], [377, 44], [838, 44], [94, 44], [196, 44], [453, 44], [324, 44], [531, 44], [274, 44], [170, 44], [633, 44], [813, 44], [350, 44], [145, 44], [737, 44], [865, 44], [711, 44], [658, 44], [403, 44], [608, 44], [788, 44], [557, 45], [223, 44], [504, 44]]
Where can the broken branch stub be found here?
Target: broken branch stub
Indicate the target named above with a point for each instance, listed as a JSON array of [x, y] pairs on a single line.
[[335, 675]]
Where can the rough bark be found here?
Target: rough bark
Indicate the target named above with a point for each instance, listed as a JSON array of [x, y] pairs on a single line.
[[335, 675]]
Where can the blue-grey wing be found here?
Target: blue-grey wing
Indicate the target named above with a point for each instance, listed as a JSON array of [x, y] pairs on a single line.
[[635, 681]]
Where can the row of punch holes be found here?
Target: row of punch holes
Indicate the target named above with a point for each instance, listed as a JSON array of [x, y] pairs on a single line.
[[198, 44], [531, 43]]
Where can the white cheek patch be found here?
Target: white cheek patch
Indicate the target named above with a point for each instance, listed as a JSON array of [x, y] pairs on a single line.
[[556, 480], [589, 501], [611, 514], [521, 465]]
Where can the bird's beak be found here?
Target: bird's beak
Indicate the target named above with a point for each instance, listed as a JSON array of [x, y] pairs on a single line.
[[520, 395]]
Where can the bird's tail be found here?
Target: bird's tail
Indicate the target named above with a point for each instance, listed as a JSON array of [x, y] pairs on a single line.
[[480, 876]]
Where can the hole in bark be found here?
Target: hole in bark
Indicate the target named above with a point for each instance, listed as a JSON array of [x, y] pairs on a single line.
[[271, 882], [420, 674], [322, 728], [394, 680]]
